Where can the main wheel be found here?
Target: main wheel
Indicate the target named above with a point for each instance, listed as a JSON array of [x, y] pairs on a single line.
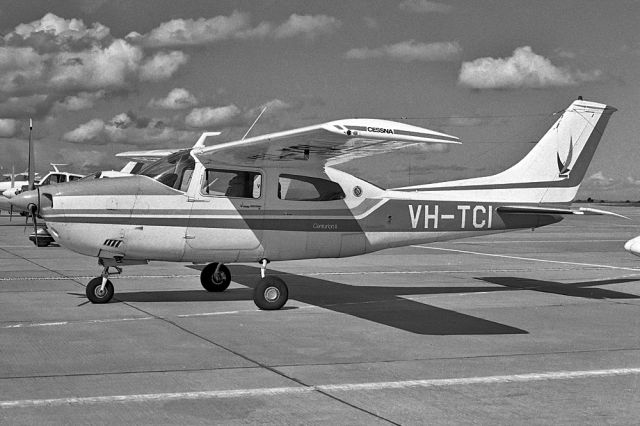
[[94, 292], [271, 293], [212, 281]]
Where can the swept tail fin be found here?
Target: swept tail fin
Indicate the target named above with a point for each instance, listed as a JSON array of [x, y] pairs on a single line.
[[553, 170]]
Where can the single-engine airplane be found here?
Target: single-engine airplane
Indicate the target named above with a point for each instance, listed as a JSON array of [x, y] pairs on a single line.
[[280, 197]]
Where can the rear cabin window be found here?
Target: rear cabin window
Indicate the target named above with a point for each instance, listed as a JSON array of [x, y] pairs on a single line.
[[305, 188], [232, 183]]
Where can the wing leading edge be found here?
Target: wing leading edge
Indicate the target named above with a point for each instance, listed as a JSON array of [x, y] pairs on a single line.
[[324, 144]]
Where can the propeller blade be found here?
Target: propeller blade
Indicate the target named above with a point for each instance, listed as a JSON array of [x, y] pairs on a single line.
[[35, 224]]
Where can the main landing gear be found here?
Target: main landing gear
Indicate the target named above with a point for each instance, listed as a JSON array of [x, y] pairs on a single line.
[[271, 293]]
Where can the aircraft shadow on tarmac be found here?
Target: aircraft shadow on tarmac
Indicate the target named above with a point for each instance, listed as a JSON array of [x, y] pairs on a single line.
[[583, 289], [380, 304]]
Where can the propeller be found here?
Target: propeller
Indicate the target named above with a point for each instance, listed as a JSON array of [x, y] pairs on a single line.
[[31, 159], [33, 209]]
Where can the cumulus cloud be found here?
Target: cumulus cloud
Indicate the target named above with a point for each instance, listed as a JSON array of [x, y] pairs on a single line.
[[86, 132], [309, 26], [8, 127], [177, 98], [237, 26], [111, 67], [408, 51], [162, 66], [191, 32], [67, 59], [524, 69], [213, 117], [21, 106], [424, 6], [87, 161], [52, 30], [275, 106], [82, 100], [128, 128], [19, 65]]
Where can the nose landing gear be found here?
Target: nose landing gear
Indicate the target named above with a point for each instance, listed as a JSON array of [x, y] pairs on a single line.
[[100, 289]]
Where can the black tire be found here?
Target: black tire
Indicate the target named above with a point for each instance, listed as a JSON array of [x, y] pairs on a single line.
[[271, 293], [42, 242], [215, 282], [95, 295]]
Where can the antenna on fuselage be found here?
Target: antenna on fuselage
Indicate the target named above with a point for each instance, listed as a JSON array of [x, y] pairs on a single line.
[[254, 122]]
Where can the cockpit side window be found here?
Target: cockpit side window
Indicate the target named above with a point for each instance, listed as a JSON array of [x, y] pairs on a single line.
[[174, 171], [232, 183], [306, 188]]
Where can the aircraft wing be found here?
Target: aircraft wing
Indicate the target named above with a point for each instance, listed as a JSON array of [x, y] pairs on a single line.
[[323, 144], [555, 211], [147, 156]]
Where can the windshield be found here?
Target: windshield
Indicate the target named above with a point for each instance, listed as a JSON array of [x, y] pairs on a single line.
[[174, 170]]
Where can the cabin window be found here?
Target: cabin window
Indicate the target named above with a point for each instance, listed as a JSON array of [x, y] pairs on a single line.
[[232, 183], [174, 171], [305, 188]]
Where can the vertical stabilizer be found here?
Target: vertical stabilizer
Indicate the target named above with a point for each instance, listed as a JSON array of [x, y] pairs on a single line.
[[565, 151], [554, 169]]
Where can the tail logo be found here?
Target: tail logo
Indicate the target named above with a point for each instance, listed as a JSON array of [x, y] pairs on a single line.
[[563, 167]]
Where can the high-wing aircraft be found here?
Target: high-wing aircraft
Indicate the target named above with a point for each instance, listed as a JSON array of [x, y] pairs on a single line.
[[54, 176], [280, 197]]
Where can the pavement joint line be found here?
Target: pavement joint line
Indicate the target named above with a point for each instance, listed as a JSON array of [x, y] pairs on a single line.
[[41, 266], [279, 366], [255, 362], [529, 258], [324, 389], [309, 274]]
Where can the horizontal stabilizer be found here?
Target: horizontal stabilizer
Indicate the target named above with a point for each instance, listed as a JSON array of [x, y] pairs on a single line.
[[555, 211]]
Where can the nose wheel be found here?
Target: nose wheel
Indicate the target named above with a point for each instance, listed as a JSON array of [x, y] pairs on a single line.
[[100, 289], [99, 292]]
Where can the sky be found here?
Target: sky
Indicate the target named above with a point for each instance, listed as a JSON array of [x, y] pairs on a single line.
[[100, 77]]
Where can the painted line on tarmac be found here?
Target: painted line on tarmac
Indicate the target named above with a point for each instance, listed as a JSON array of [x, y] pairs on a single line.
[[308, 274], [347, 387], [209, 314], [532, 259], [60, 323], [478, 241], [88, 277]]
